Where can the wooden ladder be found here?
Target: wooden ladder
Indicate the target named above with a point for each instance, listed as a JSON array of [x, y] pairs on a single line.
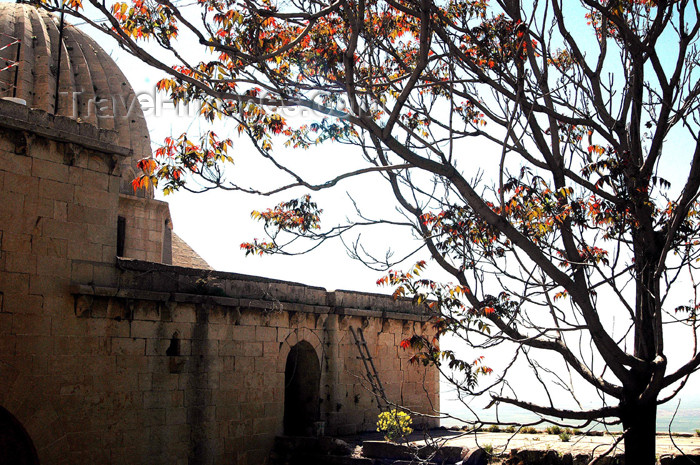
[[372, 375]]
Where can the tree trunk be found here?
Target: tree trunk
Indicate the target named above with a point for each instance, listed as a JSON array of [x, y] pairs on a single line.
[[639, 420]]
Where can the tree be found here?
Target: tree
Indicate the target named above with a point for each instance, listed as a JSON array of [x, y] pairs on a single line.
[[581, 107]]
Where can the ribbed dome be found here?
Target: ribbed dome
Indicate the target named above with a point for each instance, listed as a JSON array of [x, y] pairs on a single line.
[[91, 86]]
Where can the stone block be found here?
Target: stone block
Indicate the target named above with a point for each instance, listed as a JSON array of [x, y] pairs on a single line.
[[252, 410], [106, 274], [196, 397], [48, 266], [218, 332], [98, 181], [31, 325], [89, 215], [151, 416], [96, 162], [249, 317], [128, 346], [20, 262], [265, 364], [205, 347], [20, 184], [14, 283], [185, 313], [164, 381], [62, 230], [145, 329], [49, 246], [250, 349], [56, 190], [244, 333], [85, 250], [176, 416], [75, 175], [271, 349], [270, 426], [13, 242], [274, 409], [16, 164], [265, 334], [162, 399], [91, 197], [49, 170], [33, 345], [109, 253], [81, 272]]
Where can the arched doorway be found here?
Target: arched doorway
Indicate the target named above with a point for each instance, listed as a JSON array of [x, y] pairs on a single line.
[[302, 377], [16, 447]]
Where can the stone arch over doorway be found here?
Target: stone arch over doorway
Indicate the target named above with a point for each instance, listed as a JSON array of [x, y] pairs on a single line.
[[16, 447], [302, 381]]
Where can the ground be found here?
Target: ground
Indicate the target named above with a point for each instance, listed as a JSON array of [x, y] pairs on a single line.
[[504, 442]]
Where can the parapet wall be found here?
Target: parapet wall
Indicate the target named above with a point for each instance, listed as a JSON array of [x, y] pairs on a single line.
[[224, 385], [165, 282]]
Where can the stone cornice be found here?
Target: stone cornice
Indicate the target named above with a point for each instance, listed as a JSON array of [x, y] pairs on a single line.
[[142, 280], [18, 117]]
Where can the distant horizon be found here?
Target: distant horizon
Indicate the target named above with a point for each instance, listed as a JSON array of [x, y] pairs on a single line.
[[687, 419]]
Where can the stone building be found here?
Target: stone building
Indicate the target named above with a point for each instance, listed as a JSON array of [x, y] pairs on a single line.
[[117, 345]]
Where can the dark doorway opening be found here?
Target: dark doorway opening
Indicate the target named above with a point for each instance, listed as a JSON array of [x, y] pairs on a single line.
[[16, 447], [302, 377]]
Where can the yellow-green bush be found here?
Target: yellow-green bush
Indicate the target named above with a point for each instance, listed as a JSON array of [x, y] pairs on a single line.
[[395, 425]]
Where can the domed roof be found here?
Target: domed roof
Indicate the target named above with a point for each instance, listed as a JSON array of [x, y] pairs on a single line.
[[90, 85]]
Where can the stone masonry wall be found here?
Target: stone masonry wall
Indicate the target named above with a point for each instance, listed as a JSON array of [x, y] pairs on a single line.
[[146, 221], [130, 362], [219, 397]]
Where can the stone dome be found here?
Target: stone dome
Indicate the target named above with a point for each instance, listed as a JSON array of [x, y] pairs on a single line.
[[90, 85]]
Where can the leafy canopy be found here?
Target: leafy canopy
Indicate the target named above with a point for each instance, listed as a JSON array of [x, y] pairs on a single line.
[[546, 154]]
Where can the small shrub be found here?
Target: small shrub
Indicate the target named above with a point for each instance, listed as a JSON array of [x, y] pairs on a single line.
[[697, 433], [510, 429], [493, 429], [578, 432], [553, 429], [488, 448], [564, 437], [529, 430], [395, 425]]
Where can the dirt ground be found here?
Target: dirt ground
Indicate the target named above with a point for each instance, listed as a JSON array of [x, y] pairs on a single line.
[[504, 442]]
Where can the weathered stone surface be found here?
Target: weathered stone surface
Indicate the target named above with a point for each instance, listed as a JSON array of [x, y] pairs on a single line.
[[130, 361], [477, 457], [444, 454], [386, 450]]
